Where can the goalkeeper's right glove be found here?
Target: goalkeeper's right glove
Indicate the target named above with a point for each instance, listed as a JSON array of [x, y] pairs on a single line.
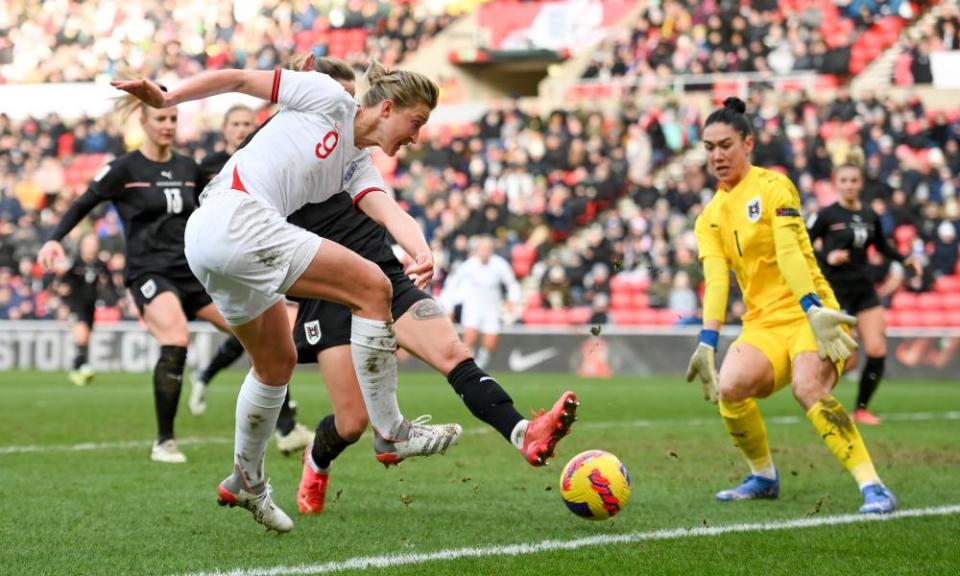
[[703, 364], [828, 329]]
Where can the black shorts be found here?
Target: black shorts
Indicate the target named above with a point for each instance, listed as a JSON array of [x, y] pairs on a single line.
[[82, 309], [321, 324], [855, 297], [189, 291]]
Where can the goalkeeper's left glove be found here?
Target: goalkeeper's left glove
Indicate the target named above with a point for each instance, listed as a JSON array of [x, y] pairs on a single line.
[[828, 329], [703, 364]]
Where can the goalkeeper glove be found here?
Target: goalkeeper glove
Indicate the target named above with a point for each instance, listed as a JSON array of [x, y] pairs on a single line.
[[703, 364], [833, 341]]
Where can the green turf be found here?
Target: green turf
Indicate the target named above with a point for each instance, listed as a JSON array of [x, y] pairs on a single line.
[[111, 511]]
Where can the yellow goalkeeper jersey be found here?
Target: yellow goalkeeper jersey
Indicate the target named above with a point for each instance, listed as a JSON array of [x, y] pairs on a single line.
[[739, 225]]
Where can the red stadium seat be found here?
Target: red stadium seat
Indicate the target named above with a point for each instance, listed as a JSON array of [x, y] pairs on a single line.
[[668, 317], [523, 257], [910, 318], [647, 316], [904, 234], [534, 300], [932, 319], [929, 301], [950, 301], [904, 301], [535, 316], [623, 317], [947, 284], [952, 318], [580, 315], [640, 300], [892, 317], [621, 301], [556, 316]]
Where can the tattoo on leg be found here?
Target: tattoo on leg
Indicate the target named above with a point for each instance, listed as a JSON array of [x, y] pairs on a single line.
[[426, 310]]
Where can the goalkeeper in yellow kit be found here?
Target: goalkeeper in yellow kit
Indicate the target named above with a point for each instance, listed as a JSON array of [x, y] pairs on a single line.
[[793, 331]]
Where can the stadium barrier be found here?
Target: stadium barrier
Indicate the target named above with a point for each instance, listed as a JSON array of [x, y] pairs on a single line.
[[127, 347]]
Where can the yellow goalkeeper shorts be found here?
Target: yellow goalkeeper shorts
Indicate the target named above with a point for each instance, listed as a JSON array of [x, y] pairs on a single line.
[[781, 344]]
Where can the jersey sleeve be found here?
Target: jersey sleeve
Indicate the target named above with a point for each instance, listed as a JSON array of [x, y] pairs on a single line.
[[882, 243], [109, 182], [816, 225], [788, 230], [107, 185], [709, 242], [305, 91], [363, 178]]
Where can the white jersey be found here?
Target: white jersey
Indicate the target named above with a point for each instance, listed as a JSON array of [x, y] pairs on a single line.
[[478, 285], [306, 153]]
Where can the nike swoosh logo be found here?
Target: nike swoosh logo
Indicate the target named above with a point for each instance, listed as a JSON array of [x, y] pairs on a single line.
[[485, 378], [520, 362]]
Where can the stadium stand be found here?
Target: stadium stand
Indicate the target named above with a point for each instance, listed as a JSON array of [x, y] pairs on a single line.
[[593, 208]]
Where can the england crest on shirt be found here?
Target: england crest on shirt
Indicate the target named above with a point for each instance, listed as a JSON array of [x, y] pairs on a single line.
[[312, 330], [754, 210]]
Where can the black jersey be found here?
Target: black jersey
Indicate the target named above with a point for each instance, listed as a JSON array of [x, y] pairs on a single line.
[[210, 166], [154, 200], [853, 230], [85, 279], [337, 219]]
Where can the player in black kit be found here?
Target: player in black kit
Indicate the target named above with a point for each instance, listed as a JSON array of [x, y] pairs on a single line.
[[322, 335], [80, 285], [846, 230], [154, 192]]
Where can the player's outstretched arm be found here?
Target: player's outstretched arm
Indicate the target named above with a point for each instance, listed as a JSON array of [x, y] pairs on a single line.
[[385, 211], [257, 83]]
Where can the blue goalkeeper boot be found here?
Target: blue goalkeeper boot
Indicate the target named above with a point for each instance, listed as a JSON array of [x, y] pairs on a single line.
[[878, 499], [753, 488]]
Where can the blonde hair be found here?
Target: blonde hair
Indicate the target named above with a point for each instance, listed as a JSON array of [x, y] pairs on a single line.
[[333, 67], [854, 159], [237, 108], [402, 87]]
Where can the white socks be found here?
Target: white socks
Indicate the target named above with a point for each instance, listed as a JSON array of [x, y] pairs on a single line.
[[257, 408], [482, 357], [372, 346], [519, 431], [768, 472]]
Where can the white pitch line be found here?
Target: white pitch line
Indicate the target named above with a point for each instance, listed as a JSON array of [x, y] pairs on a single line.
[[88, 446], [695, 422], [380, 562]]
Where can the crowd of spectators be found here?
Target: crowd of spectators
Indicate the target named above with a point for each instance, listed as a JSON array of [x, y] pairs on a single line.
[[936, 35], [720, 36], [64, 41], [568, 195]]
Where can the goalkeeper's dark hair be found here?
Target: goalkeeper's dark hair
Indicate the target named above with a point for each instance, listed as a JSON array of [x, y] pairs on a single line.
[[733, 114]]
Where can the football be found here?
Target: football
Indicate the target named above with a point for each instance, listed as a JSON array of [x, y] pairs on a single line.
[[595, 485]]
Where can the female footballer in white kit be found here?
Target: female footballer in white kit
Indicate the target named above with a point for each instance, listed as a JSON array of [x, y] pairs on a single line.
[[241, 248]]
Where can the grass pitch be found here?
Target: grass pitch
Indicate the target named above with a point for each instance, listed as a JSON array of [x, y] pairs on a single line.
[[79, 495]]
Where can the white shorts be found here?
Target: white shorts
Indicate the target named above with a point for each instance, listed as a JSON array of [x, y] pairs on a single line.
[[245, 254], [484, 318]]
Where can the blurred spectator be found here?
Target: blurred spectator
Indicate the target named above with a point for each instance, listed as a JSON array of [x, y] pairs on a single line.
[[943, 260]]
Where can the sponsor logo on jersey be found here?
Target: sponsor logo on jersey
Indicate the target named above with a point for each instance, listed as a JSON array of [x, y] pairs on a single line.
[[790, 212], [754, 210], [168, 174], [149, 289], [312, 331], [351, 170]]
